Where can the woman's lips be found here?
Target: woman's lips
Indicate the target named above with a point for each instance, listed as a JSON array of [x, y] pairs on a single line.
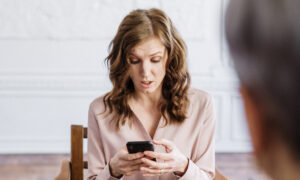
[[146, 84]]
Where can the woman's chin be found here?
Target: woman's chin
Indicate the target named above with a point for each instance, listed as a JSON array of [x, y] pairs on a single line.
[[147, 90]]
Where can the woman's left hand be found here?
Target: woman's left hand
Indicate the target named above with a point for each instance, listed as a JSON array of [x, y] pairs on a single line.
[[174, 160]]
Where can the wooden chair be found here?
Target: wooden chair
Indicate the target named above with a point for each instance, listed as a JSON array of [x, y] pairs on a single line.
[[73, 170], [219, 175]]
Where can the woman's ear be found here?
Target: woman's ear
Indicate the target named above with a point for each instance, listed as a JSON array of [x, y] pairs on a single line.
[[255, 121]]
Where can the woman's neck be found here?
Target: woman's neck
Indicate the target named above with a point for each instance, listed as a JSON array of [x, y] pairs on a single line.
[[148, 100]]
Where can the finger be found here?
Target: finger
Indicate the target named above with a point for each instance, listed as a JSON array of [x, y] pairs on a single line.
[[130, 157], [148, 157], [149, 175], [150, 172], [158, 155], [130, 170], [135, 156], [124, 150], [133, 168], [155, 165], [134, 162], [130, 173], [168, 144], [154, 172]]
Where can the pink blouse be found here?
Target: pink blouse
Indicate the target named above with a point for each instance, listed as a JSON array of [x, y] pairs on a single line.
[[194, 138]]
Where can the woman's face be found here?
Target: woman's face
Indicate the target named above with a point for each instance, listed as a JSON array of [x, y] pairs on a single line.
[[148, 65]]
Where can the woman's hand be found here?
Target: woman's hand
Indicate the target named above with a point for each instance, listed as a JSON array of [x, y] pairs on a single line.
[[124, 163], [174, 161]]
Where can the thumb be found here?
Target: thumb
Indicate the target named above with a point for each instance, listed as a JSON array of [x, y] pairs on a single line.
[[166, 143]]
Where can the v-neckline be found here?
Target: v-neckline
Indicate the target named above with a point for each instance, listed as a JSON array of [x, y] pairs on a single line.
[[144, 131]]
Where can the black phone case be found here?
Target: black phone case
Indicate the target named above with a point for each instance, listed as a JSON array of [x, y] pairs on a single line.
[[139, 146]]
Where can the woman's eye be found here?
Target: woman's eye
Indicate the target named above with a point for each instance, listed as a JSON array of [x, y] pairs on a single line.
[[134, 61], [155, 60]]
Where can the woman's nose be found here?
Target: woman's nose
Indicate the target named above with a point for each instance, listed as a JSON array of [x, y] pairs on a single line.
[[145, 68]]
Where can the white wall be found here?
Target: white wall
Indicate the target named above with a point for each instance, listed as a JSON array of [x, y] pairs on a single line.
[[51, 67]]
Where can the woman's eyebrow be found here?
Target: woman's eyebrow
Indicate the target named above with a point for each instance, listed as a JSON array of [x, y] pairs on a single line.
[[158, 52], [153, 54], [132, 55]]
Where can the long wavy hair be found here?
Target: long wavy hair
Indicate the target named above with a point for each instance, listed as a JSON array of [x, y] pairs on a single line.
[[136, 27]]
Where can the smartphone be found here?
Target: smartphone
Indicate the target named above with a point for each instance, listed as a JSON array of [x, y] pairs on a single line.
[[139, 146]]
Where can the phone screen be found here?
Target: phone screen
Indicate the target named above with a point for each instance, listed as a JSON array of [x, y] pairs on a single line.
[[139, 146]]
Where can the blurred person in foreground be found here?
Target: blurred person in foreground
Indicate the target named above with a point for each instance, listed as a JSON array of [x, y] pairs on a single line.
[[264, 40]]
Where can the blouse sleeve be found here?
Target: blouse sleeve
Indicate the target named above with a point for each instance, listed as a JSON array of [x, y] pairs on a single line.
[[98, 168], [202, 162]]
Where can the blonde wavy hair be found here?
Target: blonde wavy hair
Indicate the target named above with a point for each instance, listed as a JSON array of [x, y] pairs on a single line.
[[136, 27]]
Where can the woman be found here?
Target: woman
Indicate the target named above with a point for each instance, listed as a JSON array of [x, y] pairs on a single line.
[[150, 100]]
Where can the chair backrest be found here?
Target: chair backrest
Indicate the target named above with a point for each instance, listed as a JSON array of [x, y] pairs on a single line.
[[219, 175], [78, 133]]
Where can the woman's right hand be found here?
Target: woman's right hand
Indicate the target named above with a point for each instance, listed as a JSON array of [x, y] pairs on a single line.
[[124, 163]]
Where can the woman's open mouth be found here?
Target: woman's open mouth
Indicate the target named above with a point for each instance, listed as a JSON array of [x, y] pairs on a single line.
[[146, 84]]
